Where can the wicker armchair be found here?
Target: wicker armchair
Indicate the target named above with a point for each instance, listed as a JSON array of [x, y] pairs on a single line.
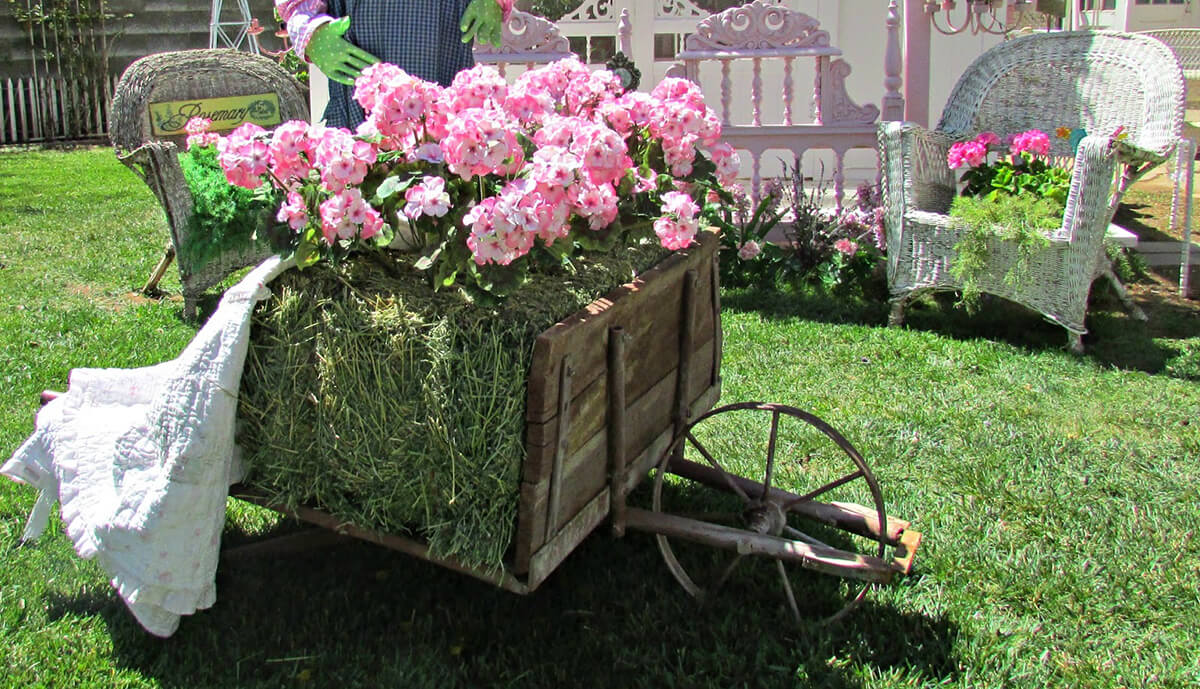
[[182, 76], [1095, 80]]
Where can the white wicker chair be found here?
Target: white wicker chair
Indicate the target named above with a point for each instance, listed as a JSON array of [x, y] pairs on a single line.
[[180, 76], [1095, 80]]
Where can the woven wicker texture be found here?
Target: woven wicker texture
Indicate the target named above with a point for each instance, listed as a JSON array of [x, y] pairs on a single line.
[[1185, 43], [1097, 81], [187, 75]]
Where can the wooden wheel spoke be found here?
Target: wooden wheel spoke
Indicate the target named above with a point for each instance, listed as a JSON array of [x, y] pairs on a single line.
[[799, 535], [733, 486], [787, 589], [720, 582], [770, 455], [824, 489], [713, 517], [762, 529]]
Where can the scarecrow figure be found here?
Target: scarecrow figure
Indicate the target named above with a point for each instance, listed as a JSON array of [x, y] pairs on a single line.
[[430, 39]]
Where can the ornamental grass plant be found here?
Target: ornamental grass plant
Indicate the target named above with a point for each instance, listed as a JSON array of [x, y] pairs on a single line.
[[836, 250]]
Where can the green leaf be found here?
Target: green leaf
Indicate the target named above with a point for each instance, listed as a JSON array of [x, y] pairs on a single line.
[[385, 236], [429, 257], [393, 185]]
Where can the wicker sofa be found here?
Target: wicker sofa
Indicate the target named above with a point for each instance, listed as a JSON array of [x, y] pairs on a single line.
[[1097, 81]]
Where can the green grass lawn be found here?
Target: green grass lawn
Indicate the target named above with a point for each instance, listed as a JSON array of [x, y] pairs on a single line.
[[1059, 497]]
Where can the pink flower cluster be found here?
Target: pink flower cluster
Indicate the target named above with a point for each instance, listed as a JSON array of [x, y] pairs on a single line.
[[849, 247], [428, 197], [974, 152], [244, 155], [550, 148], [683, 122], [749, 250], [1034, 141], [198, 134], [970, 153], [680, 220], [347, 215]]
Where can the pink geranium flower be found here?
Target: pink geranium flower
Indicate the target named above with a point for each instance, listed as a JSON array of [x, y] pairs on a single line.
[[428, 197], [748, 250], [293, 211], [1034, 141], [968, 153], [679, 222], [845, 246]]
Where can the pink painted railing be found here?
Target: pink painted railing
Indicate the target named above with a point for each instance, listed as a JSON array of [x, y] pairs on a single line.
[[763, 31], [527, 40]]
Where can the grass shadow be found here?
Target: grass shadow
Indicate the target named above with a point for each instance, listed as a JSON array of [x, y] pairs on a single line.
[[1163, 345], [357, 615]]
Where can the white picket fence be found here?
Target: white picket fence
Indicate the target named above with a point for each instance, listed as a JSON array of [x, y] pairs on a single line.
[[45, 109]]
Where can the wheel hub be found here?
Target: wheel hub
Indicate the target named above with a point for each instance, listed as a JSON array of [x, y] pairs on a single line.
[[765, 518]]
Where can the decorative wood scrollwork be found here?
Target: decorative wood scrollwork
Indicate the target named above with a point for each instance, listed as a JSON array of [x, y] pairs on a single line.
[[527, 33], [591, 11], [836, 106], [678, 9], [758, 25]]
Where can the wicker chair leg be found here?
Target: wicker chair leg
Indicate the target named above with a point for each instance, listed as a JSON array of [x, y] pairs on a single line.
[[896, 317], [1074, 342], [151, 285], [1123, 294]]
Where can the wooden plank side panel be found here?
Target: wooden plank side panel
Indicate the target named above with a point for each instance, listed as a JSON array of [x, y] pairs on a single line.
[[584, 334], [586, 470], [571, 535], [589, 413], [653, 330], [649, 312]]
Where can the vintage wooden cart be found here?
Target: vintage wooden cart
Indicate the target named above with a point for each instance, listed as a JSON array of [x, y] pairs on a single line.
[[622, 390]]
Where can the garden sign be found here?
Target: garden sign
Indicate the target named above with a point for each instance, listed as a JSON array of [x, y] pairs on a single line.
[[168, 118]]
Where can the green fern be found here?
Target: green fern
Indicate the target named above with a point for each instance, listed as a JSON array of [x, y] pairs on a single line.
[[224, 217], [1020, 219]]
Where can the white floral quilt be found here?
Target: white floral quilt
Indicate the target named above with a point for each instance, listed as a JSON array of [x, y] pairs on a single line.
[[142, 459]]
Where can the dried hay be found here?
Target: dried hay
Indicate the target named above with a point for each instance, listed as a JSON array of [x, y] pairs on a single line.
[[371, 397]]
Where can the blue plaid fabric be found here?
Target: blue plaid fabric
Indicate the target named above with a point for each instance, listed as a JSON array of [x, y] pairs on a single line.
[[421, 37]]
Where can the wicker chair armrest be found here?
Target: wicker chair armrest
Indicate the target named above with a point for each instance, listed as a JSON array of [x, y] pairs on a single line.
[[1132, 154], [1088, 208], [157, 163], [933, 221], [916, 174]]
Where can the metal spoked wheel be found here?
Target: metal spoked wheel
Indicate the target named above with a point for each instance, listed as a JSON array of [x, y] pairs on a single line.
[[776, 482]]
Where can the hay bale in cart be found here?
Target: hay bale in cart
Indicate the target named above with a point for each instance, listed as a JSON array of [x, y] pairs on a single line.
[[546, 492]]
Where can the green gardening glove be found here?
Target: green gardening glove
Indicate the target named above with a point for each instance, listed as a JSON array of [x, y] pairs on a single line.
[[483, 20], [337, 58]]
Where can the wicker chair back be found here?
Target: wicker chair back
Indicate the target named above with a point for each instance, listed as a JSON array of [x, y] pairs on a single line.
[[1097, 81]]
